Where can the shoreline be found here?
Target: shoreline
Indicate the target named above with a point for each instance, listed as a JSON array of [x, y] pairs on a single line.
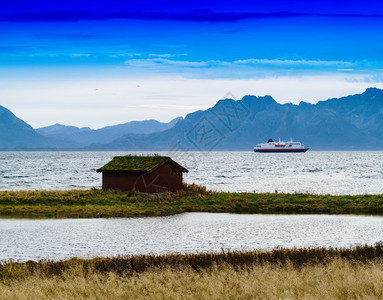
[[97, 203]]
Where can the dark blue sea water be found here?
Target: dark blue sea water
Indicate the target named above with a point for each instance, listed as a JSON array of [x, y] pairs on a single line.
[[311, 172]]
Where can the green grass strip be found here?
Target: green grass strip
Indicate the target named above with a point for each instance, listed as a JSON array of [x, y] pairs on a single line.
[[110, 203]]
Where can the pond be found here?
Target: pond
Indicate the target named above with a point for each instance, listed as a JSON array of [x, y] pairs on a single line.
[[55, 239]]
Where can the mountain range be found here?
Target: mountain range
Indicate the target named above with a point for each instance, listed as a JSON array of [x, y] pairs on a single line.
[[353, 122], [71, 136]]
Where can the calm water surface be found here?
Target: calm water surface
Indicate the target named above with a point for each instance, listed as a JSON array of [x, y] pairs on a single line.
[[190, 232], [311, 172]]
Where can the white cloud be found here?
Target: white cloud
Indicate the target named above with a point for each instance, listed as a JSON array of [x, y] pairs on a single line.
[[248, 68], [80, 55], [251, 62], [176, 107], [166, 55], [149, 62], [288, 62], [125, 54]]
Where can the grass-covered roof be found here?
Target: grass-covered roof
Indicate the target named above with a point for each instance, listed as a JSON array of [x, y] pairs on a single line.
[[133, 163]]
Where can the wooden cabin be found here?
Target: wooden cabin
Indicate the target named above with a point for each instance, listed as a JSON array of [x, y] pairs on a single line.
[[148, 174]]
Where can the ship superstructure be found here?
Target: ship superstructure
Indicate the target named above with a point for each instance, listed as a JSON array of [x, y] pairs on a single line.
[[280, 146]]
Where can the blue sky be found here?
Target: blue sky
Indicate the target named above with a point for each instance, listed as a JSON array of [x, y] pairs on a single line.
[[99, 63]]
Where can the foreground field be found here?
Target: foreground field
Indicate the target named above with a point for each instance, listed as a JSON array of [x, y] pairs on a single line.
[[338, 280], [280, 274], [98, 203]]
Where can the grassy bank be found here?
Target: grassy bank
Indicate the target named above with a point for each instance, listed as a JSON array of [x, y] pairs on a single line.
[[289, 274], [98, 203]]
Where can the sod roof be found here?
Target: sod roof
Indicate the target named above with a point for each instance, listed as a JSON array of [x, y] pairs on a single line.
[[134, 163]]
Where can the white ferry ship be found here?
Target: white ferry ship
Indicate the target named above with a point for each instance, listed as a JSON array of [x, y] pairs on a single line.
[[280, 146]]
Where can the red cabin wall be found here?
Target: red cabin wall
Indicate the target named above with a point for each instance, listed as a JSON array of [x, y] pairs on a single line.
[[165, 178]]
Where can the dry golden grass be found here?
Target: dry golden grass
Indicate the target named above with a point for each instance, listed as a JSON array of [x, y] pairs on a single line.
[[339, 279], [317, 273]]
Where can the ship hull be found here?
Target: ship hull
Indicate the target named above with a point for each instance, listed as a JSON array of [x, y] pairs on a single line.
[[282, 150]]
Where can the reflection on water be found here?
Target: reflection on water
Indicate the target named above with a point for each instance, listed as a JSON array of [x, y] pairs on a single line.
[[190, 232]]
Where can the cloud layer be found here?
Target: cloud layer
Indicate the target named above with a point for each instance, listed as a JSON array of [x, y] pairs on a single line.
[[252, 67]]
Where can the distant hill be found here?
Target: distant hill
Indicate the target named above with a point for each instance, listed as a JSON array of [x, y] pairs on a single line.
[[72, 136], [350, 123], [16, 134]]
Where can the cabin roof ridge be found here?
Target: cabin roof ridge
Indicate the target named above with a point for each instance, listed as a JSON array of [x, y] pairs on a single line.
[[139, 163]]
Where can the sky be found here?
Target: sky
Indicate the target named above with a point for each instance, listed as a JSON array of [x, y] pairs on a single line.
[[99, 63]]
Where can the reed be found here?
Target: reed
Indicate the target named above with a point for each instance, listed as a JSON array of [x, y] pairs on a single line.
[[130, 265], [279, 274]]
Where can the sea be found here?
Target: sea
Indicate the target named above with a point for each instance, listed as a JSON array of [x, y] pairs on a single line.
[[317, 172]]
